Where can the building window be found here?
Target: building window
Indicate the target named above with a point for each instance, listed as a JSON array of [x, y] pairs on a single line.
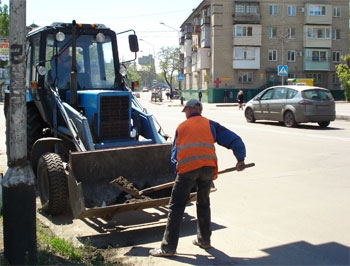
[[318, 33], [240, 8], [291, 33], [246, 9], [317, 10], [336, 12], [336, 34], [272, 32], [272, 55], [292, 75], [291, 55], [252, 9], [241, 53], [244, 31], [292, 11], [319, 56], [317, 77], [245, 77], [335, 79], [336, 57], [273, 10]]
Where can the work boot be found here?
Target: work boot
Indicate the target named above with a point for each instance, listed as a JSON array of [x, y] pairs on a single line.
[[158, 252], [201, 245]]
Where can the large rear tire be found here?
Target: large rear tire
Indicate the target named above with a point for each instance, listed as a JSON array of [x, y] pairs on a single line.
[[35, 126], [52, 184]]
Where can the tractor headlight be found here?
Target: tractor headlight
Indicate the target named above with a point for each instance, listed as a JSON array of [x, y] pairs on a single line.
[[42, 70], [100, 37], [60, 36]]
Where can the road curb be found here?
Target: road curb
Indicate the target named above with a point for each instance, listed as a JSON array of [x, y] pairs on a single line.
[[342, 117]]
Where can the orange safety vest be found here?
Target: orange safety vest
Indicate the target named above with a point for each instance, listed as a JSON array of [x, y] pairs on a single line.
[[195, 145]]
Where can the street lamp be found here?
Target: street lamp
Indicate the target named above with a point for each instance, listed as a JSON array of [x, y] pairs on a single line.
[[178, 32]]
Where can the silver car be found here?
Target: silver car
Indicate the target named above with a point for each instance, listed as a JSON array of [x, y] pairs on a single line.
[[292, 104]]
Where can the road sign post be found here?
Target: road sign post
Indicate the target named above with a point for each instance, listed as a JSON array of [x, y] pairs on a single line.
[[282, 71]]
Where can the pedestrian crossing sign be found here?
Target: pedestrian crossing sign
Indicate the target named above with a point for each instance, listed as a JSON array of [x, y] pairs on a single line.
[[282, 70]]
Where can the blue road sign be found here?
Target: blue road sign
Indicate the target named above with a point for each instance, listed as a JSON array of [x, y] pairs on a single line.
[[180, 77], [282, 70]]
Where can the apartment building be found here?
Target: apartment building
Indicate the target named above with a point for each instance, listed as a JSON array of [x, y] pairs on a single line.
[[249, 44]]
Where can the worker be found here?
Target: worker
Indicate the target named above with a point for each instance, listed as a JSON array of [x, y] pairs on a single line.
[[64, 67], [195, 160]]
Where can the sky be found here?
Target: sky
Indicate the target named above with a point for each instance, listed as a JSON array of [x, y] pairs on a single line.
[[140, 15]]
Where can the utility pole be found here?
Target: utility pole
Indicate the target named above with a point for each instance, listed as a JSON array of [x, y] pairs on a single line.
[[19, 210], [283, 35]]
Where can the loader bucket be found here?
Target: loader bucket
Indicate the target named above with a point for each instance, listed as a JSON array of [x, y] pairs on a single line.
[[90, 174]]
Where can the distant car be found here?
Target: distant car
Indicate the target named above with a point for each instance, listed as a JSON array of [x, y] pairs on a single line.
[[136, 94], [145, 89], [292, 104]]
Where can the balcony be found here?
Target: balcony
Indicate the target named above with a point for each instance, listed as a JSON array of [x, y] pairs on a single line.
[[182, 40], [204, 20], [318, 14], [203, 58], [251, 18], [246, 58], [317, 60]]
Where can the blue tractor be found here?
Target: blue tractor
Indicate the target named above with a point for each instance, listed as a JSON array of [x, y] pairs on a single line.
[[84, 127]]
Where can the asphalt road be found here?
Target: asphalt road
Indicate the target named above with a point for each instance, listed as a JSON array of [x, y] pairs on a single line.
[[292, 208]]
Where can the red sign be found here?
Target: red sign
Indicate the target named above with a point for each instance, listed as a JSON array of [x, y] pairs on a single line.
[[217, 82]]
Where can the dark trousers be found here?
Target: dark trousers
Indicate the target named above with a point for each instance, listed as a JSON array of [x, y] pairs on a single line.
[[202, 179]]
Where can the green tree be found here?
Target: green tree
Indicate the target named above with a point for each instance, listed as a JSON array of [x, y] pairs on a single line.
[[4, 21], [169, 64], [4, 27], [343, 73], [133, 74], [147, 74]]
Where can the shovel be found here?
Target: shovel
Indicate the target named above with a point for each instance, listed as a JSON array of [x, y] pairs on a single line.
[[170, 184], [125, 185]]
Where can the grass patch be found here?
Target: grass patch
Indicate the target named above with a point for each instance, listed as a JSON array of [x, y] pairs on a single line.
[[47, 243], [52, 250]]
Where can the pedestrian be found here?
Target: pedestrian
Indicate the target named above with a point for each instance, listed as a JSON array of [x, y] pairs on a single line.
[[240, 100], [195, 160], [225, 96], [200, 96]]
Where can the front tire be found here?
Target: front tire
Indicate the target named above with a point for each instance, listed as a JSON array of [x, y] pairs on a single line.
[[249, 115], [52, 184]]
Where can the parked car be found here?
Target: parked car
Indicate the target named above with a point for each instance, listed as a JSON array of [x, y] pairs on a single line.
[[292, 104], [136, 94]]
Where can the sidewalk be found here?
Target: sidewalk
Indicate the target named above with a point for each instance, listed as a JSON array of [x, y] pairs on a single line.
[[342, 110]]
